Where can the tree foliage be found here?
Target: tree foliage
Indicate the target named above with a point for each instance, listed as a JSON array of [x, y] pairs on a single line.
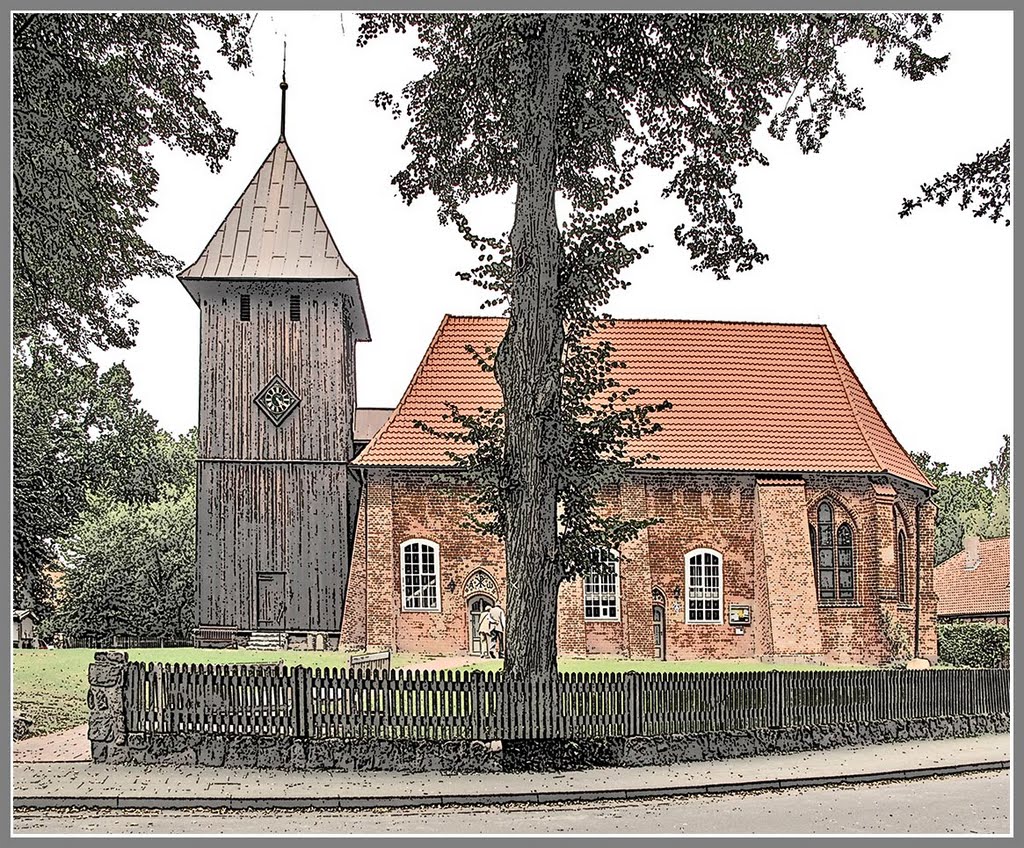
[[983, 187], [570, 106], [131, 569], [972, 504], [971, 644], [600, 419], [681, 93], [75, 430], [92, 94]]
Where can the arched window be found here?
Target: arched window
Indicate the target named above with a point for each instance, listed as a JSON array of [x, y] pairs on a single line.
[[420, 576], [832, 555], [704, 587], [901, 567], [601, 587]]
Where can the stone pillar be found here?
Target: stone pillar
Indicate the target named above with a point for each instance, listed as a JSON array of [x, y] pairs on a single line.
[[885, 575], [635, 575], [785, 586], [927, 635], [108, 730], [572, 639], [383, 583]]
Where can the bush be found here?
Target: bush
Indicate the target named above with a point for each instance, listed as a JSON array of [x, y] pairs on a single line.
[[974, 645]]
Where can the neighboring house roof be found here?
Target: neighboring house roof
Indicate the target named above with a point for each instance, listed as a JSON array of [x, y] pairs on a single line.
[[745, 396], [20, 615], [368, 421], [275, 232], [982, 590]]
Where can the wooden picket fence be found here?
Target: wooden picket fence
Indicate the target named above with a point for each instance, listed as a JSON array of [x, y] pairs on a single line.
[[273, 700]]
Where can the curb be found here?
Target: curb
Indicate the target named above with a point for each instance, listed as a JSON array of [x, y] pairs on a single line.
[[356, 803]]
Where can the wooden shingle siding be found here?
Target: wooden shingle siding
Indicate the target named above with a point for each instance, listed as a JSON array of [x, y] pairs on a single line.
[[314, 356], [257, 518]]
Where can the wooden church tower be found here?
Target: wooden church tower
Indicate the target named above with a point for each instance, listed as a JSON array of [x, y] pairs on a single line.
[[280, 315]]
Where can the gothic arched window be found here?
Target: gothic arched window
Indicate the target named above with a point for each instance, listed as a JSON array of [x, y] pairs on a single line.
[[901, 568], [832, 555]]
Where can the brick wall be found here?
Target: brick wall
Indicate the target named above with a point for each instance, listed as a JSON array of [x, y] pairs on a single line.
[[789, 593], [694, 510]]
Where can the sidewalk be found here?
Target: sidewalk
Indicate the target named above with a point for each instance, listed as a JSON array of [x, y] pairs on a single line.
[[87, 785]]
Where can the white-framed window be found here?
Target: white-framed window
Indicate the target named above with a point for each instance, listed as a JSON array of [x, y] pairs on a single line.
[[601, 587], [703, 587], [420, 575]]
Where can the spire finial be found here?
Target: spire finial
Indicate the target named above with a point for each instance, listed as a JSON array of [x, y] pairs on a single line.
[[284, 85]]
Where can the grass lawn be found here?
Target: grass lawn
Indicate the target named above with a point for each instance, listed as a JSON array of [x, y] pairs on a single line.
[[50, 686]]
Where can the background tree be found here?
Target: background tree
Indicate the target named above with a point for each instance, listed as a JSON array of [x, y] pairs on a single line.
[[569, 106], [131, 569], [971, 504], [92, 95], [982, 185]]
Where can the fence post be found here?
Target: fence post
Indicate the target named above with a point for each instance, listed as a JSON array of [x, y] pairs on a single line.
[[108, 730], [299, 705], [476, 706]]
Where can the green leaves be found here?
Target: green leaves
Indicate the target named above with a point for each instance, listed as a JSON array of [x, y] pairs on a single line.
[[681, 93], [131, 569], [983, 184], [91, 94], [76, 429], [974, 504]]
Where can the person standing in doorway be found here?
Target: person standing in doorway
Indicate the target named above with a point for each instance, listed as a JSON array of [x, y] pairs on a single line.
[[483, 628], [497, 616]]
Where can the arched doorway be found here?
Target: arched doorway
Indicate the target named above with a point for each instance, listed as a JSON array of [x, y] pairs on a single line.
[[658, 617], [480, 592], [476, 606]]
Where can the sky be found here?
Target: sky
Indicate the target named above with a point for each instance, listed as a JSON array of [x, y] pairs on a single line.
[[921, 307]]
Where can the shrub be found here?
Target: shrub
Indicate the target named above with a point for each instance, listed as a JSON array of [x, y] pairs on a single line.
[[974, 645], [896, 637]]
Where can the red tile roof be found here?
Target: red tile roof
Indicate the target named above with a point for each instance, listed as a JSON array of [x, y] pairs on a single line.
[[745, 396], [983, 590]]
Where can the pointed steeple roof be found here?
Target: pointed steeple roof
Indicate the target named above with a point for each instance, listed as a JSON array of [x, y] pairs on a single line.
[[274, 231]]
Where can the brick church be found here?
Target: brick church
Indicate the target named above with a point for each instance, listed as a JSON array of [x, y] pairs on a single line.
[[791, 522]]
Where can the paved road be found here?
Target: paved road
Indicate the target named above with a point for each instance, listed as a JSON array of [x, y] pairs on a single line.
[[973, 803]]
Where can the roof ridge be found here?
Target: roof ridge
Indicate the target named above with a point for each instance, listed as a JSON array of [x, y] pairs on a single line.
[[835, 345], [237, 201], [833, 348], [319, 211], [615, 320], [412, 381]]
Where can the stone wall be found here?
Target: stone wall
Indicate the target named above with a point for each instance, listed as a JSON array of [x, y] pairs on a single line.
[[106, 701], [461, 757]]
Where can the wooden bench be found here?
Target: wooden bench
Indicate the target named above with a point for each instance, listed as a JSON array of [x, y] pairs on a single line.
[[213, 637], [371, 661]]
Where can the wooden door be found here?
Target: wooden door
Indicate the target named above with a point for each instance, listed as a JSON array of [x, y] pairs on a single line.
[[659, 631], [270, 604], [476, 607]]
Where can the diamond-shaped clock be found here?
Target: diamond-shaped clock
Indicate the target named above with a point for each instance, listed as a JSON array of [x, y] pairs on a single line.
[[277, 401]]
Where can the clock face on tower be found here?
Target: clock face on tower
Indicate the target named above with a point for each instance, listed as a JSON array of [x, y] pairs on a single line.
[[277, 401]]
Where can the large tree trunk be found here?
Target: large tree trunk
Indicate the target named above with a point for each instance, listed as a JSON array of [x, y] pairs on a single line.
[[529, 365]]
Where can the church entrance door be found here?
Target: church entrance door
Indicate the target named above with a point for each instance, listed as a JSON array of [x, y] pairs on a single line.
[[476, 606], [658, 617]]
